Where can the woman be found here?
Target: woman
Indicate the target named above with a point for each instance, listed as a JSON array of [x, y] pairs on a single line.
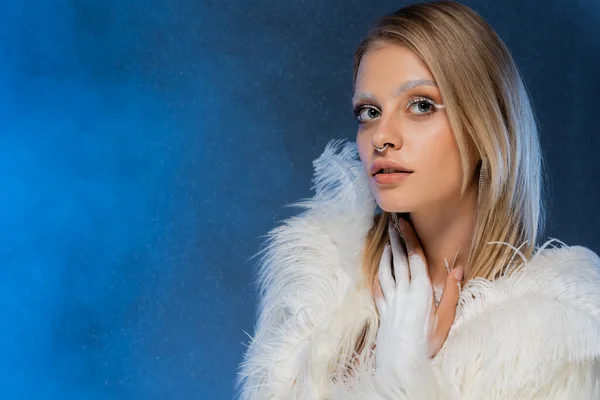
[[351, 301]]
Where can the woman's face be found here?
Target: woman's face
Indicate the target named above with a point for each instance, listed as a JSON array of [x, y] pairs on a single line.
[[397, 103]]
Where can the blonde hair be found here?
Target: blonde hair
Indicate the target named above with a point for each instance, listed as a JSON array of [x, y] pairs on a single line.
[[493, 123]]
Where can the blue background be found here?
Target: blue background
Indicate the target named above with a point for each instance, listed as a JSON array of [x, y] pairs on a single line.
[[146, 146]]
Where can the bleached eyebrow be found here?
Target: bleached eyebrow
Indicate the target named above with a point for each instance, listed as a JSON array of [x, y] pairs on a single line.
[[366, 96]]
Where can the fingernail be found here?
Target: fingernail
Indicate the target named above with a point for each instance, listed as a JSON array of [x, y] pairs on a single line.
[[458, 273]]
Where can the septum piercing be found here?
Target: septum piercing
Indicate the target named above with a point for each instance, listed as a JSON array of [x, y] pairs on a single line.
[[381, 149]]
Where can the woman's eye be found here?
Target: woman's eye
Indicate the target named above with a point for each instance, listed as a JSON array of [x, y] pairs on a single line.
[[417, 107], [365, 113], [421, 106]]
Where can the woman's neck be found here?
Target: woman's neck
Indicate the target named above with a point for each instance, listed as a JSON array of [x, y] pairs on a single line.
[[446, 232]]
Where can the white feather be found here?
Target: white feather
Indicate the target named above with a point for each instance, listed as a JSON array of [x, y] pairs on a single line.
[[532, 335]]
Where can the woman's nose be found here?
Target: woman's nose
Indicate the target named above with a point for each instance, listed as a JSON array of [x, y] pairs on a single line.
[[388, 132]]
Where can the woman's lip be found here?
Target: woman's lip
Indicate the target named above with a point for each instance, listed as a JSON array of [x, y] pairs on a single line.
[[391, 178]]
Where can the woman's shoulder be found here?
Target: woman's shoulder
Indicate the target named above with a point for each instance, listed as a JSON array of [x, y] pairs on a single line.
[[555, 282], [554, 278], [567, 274], [555, 272], [580, 258], [542, 316], [557, 289]]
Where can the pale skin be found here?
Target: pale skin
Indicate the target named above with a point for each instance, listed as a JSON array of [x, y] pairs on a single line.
[[399, 104]]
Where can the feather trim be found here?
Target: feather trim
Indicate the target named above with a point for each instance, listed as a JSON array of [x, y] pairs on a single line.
[[515, 336], [533, 333], [312, 309]]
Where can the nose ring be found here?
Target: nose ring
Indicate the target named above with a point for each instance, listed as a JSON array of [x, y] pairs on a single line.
[[381, 149]]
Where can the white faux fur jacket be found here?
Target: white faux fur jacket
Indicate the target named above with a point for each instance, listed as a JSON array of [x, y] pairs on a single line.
[[533, 335]]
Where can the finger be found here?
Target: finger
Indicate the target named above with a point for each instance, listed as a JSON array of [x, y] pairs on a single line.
[[446, 310], [381, 305], [434, 342], [416, 257], [385, 274], [421, 308], [421, 290], [378, 296], [400, 260]]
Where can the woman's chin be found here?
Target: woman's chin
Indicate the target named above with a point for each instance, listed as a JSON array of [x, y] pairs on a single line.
[[393, 207]]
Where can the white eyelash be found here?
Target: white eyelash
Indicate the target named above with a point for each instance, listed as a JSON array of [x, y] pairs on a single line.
[[426, 100]]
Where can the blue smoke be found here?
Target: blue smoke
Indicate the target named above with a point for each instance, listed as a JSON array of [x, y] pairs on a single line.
[[134, 136], [89, 157]]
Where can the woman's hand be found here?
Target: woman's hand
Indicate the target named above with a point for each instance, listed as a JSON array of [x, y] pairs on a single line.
[[412, 328]]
